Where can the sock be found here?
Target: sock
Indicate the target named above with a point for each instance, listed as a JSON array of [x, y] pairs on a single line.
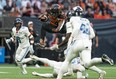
[[96, 69], [22, 68], [79, 75], [93, 61], [26, 60]]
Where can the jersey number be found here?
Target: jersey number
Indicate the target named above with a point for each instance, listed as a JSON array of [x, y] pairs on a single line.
[[84, 29]]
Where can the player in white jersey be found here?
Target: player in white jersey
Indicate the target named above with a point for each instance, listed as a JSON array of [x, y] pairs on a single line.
[[88, 62], [22, 35], [80, 40], [75, 67]]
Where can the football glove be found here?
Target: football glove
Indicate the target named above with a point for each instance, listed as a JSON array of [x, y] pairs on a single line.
[[54, 47], [8, 40]]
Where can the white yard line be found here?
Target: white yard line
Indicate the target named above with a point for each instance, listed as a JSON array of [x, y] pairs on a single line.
[[26, 67], [3, 72]]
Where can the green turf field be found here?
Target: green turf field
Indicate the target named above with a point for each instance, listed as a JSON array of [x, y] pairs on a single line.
[[13, 72]]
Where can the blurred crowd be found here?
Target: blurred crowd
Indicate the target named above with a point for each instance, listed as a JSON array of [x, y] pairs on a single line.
[[98, 9]]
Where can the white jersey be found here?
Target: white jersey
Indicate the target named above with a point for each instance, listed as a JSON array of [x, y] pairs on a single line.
[[80, 29], [22, 36]]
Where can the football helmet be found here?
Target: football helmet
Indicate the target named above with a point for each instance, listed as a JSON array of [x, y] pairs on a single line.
[[56, 8], [78, 11], [18, 20]]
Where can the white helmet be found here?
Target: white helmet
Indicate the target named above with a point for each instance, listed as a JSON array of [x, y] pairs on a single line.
[[77, 11]]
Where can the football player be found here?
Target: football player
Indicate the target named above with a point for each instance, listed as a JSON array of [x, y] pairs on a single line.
[[22, 35], [55, 21], [80, 41], [75, 67]]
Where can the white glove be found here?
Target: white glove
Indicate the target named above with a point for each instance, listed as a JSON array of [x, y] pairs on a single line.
[[31, 49], [54, 47], [8, 40]]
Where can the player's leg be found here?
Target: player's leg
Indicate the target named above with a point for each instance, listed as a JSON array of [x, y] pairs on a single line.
[[88, 63], [51, 63], [96, 60], [86, 59], [99, 71], [73, 50], [19, 58], [46, 75], [80, 70], [64, 67]]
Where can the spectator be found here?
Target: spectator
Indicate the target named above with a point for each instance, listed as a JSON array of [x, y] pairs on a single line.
[[66, 4], [44, 6], [108, 10], [112, 6], [99, 3], [89, 13], [89, 4], [97, 14], [38, 3], [36, 10], [18, 3], [15, 12], [7, 8], [105, 15], [28, 10]]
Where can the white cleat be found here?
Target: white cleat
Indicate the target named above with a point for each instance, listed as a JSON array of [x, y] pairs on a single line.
[[102, 74], [37, 66], [86, 75], [35, 73], [24, 72], [82, 77]]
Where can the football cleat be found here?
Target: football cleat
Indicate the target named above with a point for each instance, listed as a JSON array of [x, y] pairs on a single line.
[[37, 66], [107, 59], [102, 74], [24, 72], [35, 73]]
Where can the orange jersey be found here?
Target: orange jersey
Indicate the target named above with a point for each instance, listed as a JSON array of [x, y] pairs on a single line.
[[53, 20]]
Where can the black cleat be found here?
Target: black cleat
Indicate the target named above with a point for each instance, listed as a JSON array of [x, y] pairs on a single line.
[[107, 59]]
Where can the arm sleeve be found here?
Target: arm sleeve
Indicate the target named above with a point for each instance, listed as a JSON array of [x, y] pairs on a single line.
[[68, 27], [92, 33], [12, 36]]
